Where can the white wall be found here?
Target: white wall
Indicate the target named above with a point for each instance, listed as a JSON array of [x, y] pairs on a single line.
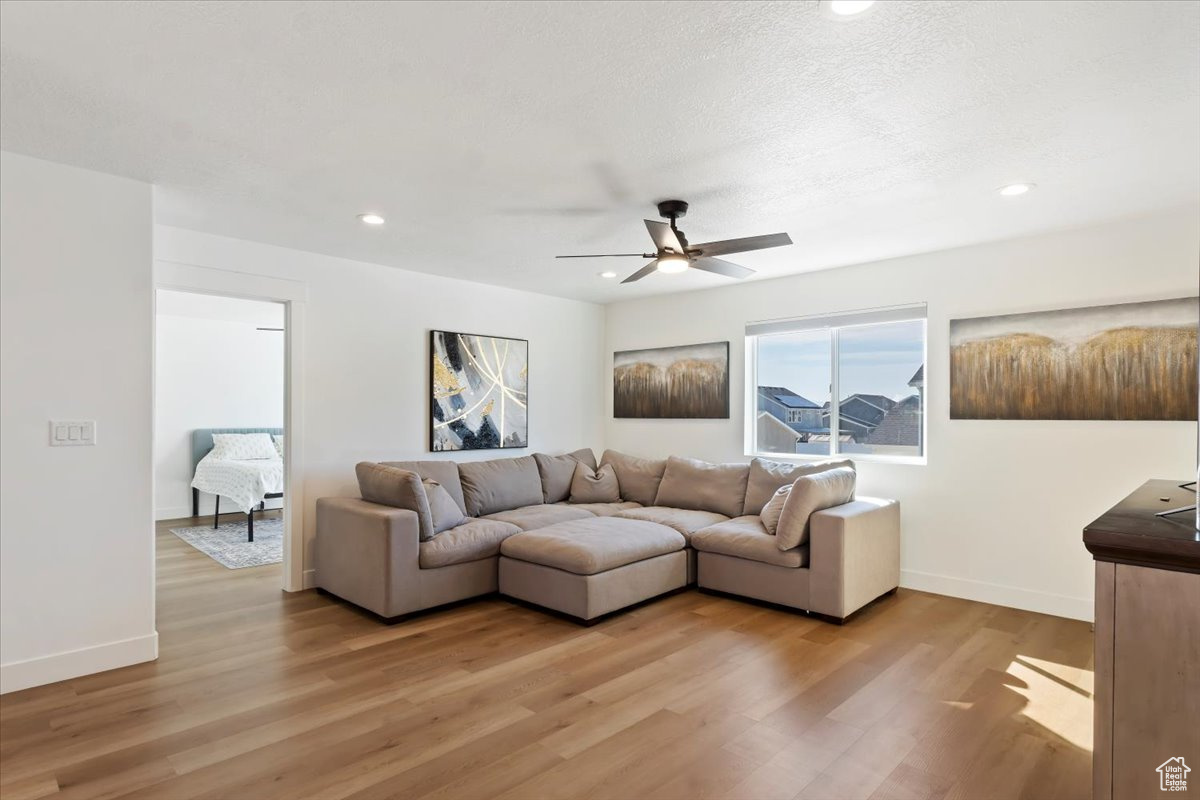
[[365, 374], [76, 536], [997, 513], [214, 368]]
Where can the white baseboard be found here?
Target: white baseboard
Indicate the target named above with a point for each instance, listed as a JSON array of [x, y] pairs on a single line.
[[206, 509], [1026, 599], [172, 512], [310, 579], [17, 675]]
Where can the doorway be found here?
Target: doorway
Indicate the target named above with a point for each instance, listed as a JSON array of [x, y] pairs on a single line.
[[219, 434]]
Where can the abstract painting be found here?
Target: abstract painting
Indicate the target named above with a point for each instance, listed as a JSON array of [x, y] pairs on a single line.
[[1133, 361], [688, 382], [479, 392]]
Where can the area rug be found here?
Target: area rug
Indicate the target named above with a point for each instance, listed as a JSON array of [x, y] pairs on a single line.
[[227, 543]]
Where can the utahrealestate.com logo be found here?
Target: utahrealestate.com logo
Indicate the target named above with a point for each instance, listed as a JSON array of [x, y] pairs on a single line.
[[1172, 775]]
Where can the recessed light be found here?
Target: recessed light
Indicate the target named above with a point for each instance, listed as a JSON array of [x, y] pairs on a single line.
[[371, 219], [1014, 189], [672, 264], [847, 8], [607, 274]]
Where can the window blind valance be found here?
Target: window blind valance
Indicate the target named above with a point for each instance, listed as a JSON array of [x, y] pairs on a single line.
[[870, 316]]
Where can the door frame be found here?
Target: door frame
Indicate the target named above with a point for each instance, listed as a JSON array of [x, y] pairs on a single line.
[[293, 294]]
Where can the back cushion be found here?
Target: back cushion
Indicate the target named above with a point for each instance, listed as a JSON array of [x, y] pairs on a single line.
[[500, 485], [399, 488], [810, 494], [557, 471], [444, 472], [699, 485], [767, 476], [638, 477]]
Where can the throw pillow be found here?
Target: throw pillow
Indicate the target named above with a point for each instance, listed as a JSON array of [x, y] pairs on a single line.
[[774, 509], [443, 511], [279, 443], [243, 446], [398, 488], [557, 472], [809, 494], [595, 485]]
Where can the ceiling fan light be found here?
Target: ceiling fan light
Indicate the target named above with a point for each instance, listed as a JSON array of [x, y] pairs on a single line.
[[847, 8], [672, 264]]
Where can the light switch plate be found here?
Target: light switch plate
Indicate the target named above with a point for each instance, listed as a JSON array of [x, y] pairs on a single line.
[[72, 432]]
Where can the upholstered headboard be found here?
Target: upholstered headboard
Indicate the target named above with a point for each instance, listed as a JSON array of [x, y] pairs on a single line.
[[202, 441]]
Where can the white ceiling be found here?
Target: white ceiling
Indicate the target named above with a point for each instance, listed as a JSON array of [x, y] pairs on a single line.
[[469, 124]]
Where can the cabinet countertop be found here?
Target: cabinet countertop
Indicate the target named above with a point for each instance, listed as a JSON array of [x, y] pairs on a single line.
[[1130, 533]]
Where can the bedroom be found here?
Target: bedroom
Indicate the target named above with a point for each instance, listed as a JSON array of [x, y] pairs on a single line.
[[218, 431]]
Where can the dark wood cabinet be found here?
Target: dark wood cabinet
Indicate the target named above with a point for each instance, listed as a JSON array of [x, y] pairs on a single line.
[[1147, 689]]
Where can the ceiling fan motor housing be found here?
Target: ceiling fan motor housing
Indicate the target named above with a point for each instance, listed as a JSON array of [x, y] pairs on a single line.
[[672, 209]]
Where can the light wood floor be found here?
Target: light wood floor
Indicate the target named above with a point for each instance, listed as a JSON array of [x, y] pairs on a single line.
[[258, 694]]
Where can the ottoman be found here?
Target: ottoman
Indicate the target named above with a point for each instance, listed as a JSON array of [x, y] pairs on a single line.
[[586, 568]]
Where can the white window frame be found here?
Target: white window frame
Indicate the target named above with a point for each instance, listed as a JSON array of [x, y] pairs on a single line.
[[834, 323]]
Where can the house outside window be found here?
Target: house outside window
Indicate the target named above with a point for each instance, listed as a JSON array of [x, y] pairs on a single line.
[[873, 361]]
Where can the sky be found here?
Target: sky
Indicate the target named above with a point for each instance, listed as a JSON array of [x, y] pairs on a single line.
[[875, 359]]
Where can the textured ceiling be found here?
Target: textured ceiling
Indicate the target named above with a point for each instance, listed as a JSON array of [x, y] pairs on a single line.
[[496, 135]]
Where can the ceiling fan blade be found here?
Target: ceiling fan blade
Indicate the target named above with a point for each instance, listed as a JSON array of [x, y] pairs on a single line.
[[664, 238], [726, 268], [643, 272], [727, 246], [611, 255]]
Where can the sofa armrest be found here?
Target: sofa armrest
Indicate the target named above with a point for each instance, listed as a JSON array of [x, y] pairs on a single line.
[[367, 553], [854, 555]]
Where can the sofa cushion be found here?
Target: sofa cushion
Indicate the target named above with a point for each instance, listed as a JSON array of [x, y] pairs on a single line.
[[606, 509], [399, 488], [773, 510], [595, 485], [637, 477], [691, 483], [746, 537], [473, 540], [556, 472], [500, 484], [590, 546], [443, 511], [683, 520], [444, 472], [767, 476], [540, 516], [810, 494]]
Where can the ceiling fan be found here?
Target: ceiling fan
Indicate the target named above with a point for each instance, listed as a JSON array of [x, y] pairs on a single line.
[[673, 253]]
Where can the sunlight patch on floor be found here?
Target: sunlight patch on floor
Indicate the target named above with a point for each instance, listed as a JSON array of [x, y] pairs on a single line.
[[1059, 697]]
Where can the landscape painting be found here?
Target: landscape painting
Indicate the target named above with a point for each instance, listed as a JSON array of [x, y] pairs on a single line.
[[1134, 361], [687, 382], [479, 392]]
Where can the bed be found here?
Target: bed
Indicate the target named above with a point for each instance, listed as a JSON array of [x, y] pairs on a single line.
[[246, 483]]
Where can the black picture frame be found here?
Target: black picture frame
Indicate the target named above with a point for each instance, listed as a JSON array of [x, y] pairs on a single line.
[[434, 406]]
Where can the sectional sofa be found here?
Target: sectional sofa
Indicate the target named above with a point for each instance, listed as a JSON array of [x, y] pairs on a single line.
[[676, 522]]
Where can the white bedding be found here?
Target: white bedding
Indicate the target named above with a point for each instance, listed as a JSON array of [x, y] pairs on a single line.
[[246, 483]]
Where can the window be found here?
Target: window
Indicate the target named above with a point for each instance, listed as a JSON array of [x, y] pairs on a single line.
[[874, 361]]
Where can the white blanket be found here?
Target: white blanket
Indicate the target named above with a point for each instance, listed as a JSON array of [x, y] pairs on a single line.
[[246, 483]]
